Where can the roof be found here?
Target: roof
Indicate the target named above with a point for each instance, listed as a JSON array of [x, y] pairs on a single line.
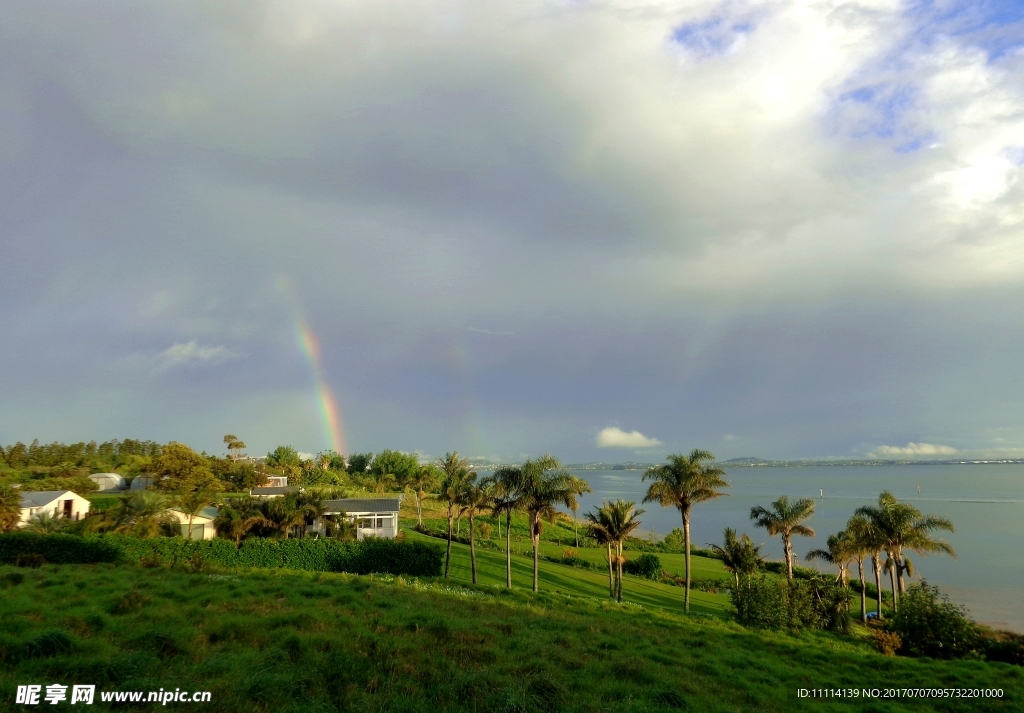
[[352, 505], [209, 512], [279, 490], [43, 497]]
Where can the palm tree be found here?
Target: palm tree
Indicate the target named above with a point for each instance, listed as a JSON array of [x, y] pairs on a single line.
[[10, 508], [236, 523], [739, 556], [425, 478], [863, 541], [682, 482], [544, 484], [456, 477], [142, 514], [785, 519], [600, 529], [505, 487], [620, 523], [45, 522], [901, 526], [341, 527], [839, 552], [191, 502], [473, 500], [284, 513]]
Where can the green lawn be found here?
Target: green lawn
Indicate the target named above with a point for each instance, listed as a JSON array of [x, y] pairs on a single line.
[[573, 581], [279, 641]]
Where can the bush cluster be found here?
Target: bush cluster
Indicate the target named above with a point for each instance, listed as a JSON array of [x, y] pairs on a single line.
[[771, 603], [928, 624], [646, 565], [321, 555]]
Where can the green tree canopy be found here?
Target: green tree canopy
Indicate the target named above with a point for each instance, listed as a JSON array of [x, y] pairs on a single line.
[[179, 468]]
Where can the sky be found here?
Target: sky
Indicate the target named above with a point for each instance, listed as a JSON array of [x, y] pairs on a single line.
[[603, 230]]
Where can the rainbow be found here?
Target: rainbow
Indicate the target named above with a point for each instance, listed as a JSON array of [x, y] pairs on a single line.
[[310, 346]]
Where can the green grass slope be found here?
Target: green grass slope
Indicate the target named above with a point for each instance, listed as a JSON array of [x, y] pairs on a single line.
[[281, 641]]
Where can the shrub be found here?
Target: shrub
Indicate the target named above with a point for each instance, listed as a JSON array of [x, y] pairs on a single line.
[[57, 548], [761, 602], [79, 484], [886, 642], [646, 565], [930, 625], [1003, 646]]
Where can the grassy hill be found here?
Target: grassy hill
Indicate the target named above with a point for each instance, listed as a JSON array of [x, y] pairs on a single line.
[[285, 641]]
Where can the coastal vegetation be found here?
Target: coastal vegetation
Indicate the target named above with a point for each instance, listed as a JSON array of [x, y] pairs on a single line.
[[515, 506]]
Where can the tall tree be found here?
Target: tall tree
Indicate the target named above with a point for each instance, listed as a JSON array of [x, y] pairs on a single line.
[[785, 519], [543, 485], [600, 530], [10, 508], [740, 556], [863, 542], [236, 447], [682, 482], [902, 527], [505, 484], [424, 479], [179, 468], [473, 500], [456, 477], [616, 521]]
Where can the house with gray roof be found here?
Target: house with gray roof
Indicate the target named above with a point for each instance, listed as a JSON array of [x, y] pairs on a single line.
[[56, 503], [374, 517]]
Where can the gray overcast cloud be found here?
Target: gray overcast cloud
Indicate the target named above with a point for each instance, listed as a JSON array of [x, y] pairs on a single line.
[[763, 228]]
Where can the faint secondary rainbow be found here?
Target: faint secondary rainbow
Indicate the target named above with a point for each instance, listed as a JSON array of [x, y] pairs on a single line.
[[310, 346]]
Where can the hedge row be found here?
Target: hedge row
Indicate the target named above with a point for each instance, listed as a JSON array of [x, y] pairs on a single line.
[[319, 555]]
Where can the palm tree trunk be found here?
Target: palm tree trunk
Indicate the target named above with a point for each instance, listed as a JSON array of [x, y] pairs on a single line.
[[611, 572], [900, 569], [686, 545], [448, 555], [618, 562], [788, 553], [419, 508], [863, 591], [508, 548], [535, 536], [892, 581], [472, 548], [876, 565]]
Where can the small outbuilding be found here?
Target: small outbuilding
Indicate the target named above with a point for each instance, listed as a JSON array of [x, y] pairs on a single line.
[[374, 517], [56, 503], [203, 527], [108, 482], [142, 482]]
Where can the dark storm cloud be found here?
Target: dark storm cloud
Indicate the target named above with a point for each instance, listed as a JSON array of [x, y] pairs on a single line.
[[784, 233]]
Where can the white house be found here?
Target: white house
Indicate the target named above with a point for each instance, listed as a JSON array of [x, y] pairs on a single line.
[[58, 503], [277, 481], [108, 482], [374, 517], [202, 523]]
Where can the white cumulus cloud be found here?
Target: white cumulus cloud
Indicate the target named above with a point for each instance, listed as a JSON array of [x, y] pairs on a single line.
[[192, 353], [916, 449], [615, 437]]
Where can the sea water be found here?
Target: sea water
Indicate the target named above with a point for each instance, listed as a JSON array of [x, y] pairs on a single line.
[[985, 502]]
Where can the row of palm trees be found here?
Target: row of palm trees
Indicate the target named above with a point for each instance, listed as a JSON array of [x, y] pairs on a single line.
[[535, 489], [886, 530]]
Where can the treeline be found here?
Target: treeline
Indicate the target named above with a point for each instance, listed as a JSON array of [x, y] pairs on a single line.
[[109, 454]]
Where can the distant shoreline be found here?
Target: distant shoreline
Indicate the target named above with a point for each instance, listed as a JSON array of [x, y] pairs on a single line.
[[759, 463]]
